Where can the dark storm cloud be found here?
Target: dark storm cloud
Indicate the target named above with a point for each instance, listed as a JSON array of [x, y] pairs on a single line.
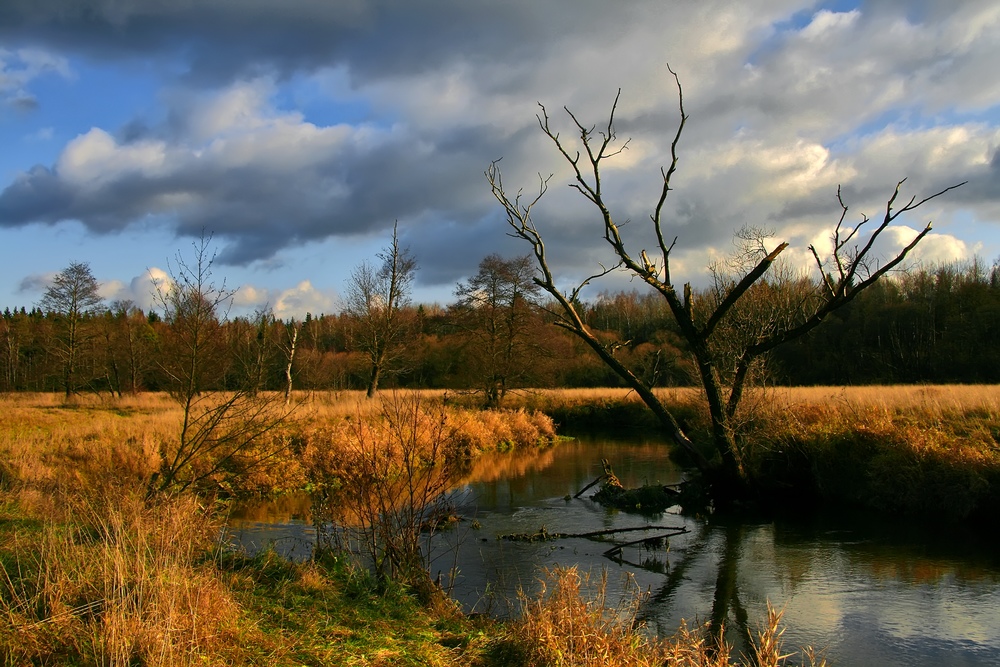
[[223, 40], [37, 196], [257, 209]]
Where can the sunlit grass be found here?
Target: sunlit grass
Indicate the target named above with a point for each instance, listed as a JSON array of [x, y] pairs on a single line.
[[572, 621], [96, 573]]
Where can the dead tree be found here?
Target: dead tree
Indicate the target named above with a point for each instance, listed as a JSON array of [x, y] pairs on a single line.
[[851, 268]]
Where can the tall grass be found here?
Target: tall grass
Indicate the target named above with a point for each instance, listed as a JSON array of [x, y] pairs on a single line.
[[572, 623], [116, 582], [927, 449]]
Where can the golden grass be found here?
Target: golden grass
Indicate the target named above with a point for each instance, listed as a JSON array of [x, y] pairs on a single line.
[[933, 399], [571, 623], [894, 397], [116, 582]]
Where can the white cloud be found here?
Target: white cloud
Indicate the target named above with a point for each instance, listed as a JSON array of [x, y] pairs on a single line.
[[826, 24], [398, 123], [305, 298], [143, 290], [95, 159]]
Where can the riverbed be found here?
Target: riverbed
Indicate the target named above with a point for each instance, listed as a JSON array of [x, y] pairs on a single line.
[[867, 590]]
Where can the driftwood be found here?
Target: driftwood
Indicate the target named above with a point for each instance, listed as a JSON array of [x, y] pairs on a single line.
[[616, 550], [608, 477], [543, 535]]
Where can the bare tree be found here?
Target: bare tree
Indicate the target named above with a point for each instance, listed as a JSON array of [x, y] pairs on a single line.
[[851, 268], [223, 433], [377, 297], [498, 313], [252, 349], [72, 296], [135, 340]]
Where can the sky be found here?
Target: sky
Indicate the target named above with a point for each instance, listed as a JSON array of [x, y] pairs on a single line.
[[298, 132]]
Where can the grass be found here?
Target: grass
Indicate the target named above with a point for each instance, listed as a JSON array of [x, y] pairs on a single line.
[[928, 450], [572, 623], [94, 572], [931, 451], [133, 583]]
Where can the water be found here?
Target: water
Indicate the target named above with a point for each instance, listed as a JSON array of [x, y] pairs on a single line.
[[868, 590]]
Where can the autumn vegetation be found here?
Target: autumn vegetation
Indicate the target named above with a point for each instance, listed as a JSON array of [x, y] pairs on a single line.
[[97, 571], [124, 433], [112, 498], [925, 325]]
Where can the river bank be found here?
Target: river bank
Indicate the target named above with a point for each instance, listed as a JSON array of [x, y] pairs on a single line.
[[924, 450], [96, 572]]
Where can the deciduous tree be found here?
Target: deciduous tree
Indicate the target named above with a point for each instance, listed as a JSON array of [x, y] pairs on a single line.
[[223, 433], [377, 297], [497, 311], [73, 294], [851, 268]]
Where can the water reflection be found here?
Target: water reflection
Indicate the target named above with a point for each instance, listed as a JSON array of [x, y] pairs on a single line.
[[870, 591], [281, 523]]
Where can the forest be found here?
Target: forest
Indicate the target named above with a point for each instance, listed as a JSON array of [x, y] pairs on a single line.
[[933, 324]]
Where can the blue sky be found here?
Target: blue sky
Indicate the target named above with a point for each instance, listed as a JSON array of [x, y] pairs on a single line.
[[298, 133]]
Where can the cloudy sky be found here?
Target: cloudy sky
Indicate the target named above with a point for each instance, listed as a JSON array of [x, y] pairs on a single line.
[[298, 131]]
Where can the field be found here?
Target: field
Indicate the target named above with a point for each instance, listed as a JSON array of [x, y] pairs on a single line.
[[98, 570]]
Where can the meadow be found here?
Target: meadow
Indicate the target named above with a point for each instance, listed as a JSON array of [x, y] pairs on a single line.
[[99, 570]]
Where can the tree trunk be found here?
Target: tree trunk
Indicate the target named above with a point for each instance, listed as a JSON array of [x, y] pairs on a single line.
[[373, 381], [291, 359]]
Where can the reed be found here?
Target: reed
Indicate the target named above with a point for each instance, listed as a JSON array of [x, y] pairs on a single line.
[[915, 450], [115, 582], [96, 572], [573, 623]]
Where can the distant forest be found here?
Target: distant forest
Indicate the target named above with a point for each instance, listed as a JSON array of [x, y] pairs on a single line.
[[933, 325]]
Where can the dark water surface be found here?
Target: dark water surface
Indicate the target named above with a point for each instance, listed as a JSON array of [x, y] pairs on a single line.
[[870, 591]]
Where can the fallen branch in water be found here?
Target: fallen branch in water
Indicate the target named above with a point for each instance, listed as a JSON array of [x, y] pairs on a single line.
[[617, 549], [544, 535], [608, 476]]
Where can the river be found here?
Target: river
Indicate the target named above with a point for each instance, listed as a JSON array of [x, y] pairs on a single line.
[[867, 590]]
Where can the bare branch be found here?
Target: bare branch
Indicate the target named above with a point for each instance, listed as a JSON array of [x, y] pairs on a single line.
[[657, 216], [739, 289]]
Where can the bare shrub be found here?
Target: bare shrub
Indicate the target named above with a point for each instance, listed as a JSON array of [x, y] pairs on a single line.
[[382, 487]]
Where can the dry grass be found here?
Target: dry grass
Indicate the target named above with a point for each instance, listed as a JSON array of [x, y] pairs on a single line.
[[935, 398], [115, 582], [571, 623], [929, 450], [380, 479], [924, 449], [929, 399]]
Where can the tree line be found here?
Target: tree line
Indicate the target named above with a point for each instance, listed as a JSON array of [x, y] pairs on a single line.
[[932, 324]]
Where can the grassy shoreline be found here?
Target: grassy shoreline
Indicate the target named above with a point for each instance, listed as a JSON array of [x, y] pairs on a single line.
[[94, 572], [922, 450]]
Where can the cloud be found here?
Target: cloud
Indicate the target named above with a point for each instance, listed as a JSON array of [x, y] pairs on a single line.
[[305, 298], [142, 290], [36, 283], [19, 68], [278, 126]]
